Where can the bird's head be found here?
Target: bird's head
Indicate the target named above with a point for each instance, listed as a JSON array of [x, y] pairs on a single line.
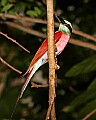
[[65, 26]]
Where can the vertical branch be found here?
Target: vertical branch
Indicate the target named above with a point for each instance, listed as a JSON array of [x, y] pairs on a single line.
[[51, 57]]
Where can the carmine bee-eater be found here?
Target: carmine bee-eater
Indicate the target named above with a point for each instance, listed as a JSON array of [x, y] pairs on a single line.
[[61, 38]]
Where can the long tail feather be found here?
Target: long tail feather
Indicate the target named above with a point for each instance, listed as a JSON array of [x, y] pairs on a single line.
[[22, 91], [31, 72], [14, 109]]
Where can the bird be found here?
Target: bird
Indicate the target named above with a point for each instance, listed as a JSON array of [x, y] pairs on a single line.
[[61, 38]]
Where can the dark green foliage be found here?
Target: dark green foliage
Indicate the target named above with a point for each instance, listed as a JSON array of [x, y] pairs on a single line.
[[87, 65]]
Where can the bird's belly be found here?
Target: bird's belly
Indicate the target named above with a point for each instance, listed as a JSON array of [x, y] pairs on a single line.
[[40, 62]]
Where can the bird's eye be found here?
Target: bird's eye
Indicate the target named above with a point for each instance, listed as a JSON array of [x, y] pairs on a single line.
[[69, 27], [63, 22]]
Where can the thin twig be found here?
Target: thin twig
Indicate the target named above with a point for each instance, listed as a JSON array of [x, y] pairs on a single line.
[[9, 38], [38, 86], [89, 114], [5, 63]]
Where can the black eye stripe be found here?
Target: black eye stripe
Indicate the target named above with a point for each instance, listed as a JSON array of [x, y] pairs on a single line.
[[69, 27], [64, 23]]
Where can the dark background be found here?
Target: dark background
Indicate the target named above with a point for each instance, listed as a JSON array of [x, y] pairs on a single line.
[[76, 90]]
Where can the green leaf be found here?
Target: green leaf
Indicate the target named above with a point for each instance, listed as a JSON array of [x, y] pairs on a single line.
[[92, 86], [88, 95], [38, 11], [88, 65], [87, 109], [7, 7], [3, 2], [81, 100], [31, 13]]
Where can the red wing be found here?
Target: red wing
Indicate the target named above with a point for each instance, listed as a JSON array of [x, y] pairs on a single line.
[[57, 36], [43, 49]]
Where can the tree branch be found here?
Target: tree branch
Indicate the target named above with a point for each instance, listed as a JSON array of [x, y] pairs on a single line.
[[9, 38], [27, 30], [22, 18], [85, 35], [34, 85], [82, 44], [39, 34], [10, 66], [35, 20], [51, 59], [89, 115]]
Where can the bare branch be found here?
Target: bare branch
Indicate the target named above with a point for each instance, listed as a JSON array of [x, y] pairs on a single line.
[[39, 34], [89, 115], [78, 32], [23, 18], [39, 86], [85, 35], [51, 59], [49, 110], [35, 20], [5, 63], [9, 38], [83, 44], [27, 30]]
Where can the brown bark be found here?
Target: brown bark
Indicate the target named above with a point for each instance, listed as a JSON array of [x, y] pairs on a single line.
[[51, 58]]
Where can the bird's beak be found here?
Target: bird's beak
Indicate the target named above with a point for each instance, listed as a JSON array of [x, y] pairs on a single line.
[[60, 19]]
